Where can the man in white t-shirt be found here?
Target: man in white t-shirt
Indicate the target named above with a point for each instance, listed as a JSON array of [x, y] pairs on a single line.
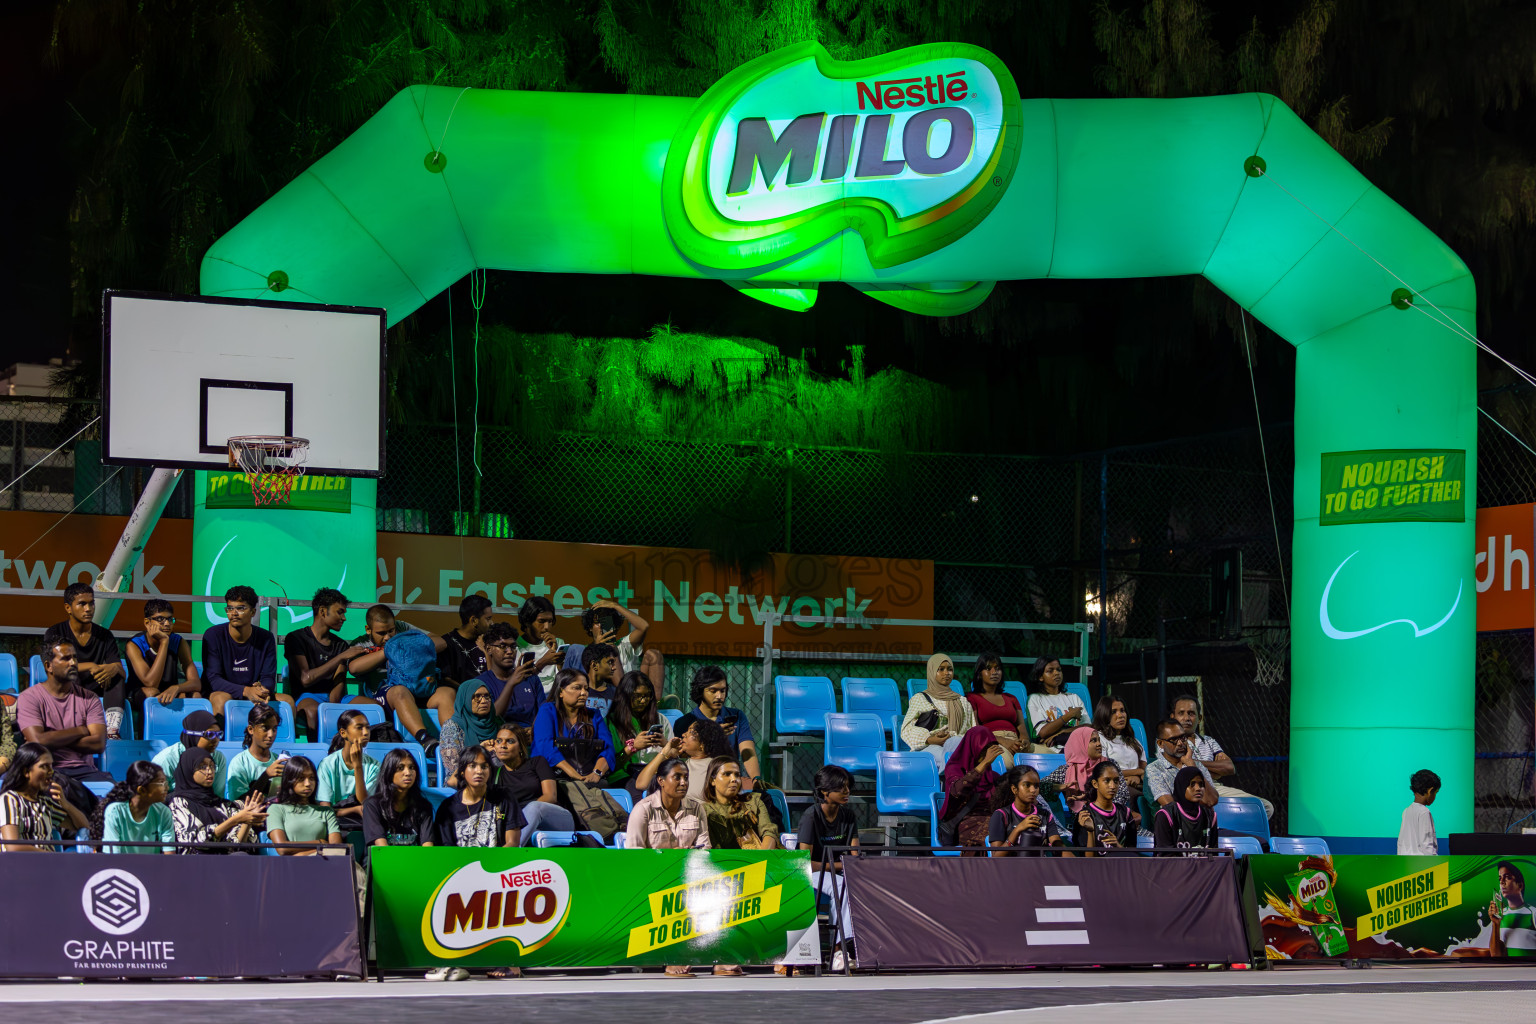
[[604, 623], [1216, 761], [1417, 836]]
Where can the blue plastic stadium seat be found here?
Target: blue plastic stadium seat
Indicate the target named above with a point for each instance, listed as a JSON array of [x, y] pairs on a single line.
[[377, 751], [776, 798], [331, 713], [672, 715], [1020, 694], [546, 840], [853, 740], [622, 798], [1240, 845], [1140, 732], [1144, 840], [937, 803], [316, 752], [10, 674], [620, 840], [1044, 763], [877, 696], [905, 782], [1243, 814], [119, 754], [237, 713], [163, 721], [1082, 694], [800, 704], [101, 789], [35, 670], [914, 685], [1299, 846], [429, 719]]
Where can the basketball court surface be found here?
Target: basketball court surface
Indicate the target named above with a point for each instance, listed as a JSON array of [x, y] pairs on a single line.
[[1403, 995]]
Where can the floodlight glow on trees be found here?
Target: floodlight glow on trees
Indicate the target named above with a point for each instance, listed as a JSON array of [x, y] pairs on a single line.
[[920, 177]]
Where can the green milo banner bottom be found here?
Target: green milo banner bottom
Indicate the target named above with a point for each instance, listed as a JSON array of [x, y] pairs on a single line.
[[1387, 907], [591, 908]]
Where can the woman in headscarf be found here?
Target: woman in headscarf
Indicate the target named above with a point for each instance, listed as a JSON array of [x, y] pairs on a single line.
[[200, 815], [1084, 750], [937, 716], [474, 723], [1186, 823], [969, 782]]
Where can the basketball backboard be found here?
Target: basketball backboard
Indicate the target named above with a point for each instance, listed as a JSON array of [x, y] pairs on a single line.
[[182, 374]]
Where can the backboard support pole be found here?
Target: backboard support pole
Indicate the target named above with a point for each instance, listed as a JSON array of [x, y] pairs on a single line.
[[130, 546]]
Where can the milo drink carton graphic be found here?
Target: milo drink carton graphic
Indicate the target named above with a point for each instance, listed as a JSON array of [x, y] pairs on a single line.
[[1320, 912]]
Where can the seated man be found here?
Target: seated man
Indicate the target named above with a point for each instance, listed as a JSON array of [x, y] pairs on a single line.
[[101, 672], [1217, 763], [600, 662], [462, 659], [516, 692], [708, 692], [1174, 751], [605, 620], [67, 719], [538, 643], [411, 680], [317, 658], [239, 657], [159, 664], [368, 668]]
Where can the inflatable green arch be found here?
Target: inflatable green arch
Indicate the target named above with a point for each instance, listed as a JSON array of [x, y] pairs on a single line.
[[919, 177]]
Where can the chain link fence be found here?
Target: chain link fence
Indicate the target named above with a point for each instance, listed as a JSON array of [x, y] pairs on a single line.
[[1125, 536]]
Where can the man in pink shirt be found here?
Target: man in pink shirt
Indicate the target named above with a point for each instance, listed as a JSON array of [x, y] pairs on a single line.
[[67, 719]]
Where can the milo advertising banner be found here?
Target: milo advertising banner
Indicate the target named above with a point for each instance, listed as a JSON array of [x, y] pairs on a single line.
[[591, 908], [1386, 908]]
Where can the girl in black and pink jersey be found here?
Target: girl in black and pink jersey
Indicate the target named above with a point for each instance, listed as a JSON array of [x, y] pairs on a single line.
[[1186, 824], [1101, 822]]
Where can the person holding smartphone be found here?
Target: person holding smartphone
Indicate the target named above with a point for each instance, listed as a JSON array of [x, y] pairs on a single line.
[[1053, 711], [708, 691], [512, 676], [639, 730], [255, 767]]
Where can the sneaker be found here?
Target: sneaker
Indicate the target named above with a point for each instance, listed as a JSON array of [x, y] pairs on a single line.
[[429, 748], [448, 974], [839, 961]]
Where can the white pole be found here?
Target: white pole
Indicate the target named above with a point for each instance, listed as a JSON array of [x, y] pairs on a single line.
[[130, 546]]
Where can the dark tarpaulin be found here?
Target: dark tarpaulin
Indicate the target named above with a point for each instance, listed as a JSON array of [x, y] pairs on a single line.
[[962, 912]]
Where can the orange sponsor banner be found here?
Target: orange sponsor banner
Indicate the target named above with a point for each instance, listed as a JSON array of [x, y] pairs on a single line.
[[1504, 553], [74, 552], [694, 605]]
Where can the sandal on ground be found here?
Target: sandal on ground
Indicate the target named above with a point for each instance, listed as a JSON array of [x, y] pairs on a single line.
[[501, 973], [676, 971], [728, 971], [785, 970]]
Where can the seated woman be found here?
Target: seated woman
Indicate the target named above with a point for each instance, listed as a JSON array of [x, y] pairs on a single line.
[[477, 816], [1083, 751], [969, 782], [699, 745], [135, 811], [254, 768], [347, 774], [1102, 822], [1001, 712], [396, 813], [1052, 710], [668, 819], [735, 821], [572, 737], [201, 816], [1185, 823], [33, 805], [530, 781], [293, 816], [1020, 819], [938, 716], [829, 823], [1113, 724], [640, 732], [474, 723], [198, 729]]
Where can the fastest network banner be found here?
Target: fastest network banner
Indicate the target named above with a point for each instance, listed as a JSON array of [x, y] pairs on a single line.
[[570, 908], [1385, 907]]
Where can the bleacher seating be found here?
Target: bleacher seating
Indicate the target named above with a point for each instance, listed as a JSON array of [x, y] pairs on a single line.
[[238, 712], [316, 752], [549, 840], [1082, 694], [622, 798], [853, 740], [1243, 814], [429, 720], [800, 704], [10, 674], [876, 696], [330, 714], [163, 721], [1144, 840], [1299, 846], [35, 672], [377, 751], [937, 803], [119, 754], [672, 715], [776, 797], [101, 789], [905, 782], [1020, 694], [1140, 731], [1242, 846], [915, 685]]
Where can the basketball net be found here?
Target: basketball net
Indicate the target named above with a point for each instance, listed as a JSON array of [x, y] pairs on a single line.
[[272, 465]]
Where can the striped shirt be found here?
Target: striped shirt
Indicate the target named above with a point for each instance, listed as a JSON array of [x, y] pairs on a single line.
[[1517, 929]]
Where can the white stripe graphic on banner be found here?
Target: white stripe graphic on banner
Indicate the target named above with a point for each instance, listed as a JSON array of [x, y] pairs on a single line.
[[1057, 938], [1058, 915], [1063, 892]]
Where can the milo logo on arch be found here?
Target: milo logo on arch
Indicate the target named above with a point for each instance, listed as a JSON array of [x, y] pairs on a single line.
[[910, 150]]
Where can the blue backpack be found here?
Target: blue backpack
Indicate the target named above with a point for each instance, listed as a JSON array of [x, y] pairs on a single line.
[[412, 661]]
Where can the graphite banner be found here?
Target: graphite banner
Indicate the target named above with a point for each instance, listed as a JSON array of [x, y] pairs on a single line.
[[591, 908], [121, 916], [962, 912], [1382, 907]]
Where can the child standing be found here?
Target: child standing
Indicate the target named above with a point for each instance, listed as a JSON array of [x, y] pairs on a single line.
[[1417, 836]]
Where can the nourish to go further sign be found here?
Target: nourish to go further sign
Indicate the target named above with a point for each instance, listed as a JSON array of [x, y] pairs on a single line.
[[1395, 485]]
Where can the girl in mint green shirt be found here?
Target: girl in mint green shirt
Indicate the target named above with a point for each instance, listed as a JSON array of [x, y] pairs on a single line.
[[294, 817], [135, 811]]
